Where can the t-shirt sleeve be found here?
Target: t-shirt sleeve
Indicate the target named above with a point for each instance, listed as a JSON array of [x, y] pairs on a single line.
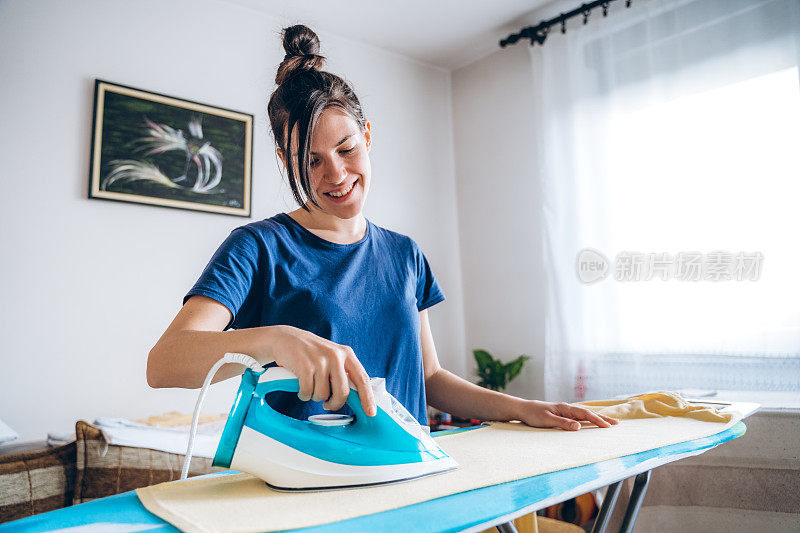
[[428, 291], [231, 274]]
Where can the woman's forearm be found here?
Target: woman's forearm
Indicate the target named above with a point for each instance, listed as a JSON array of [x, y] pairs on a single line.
[[451, 394], [183, 358]]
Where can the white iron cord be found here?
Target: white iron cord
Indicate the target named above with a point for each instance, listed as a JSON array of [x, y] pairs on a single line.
[[240, 358]]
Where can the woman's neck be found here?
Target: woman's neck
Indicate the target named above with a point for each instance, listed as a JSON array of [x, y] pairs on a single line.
[[330, 227]]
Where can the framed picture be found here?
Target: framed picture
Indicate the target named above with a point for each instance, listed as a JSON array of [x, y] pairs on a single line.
[[149, 148]]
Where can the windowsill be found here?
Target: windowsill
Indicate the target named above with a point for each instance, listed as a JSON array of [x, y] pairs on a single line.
[[769, 400], [772, 382]]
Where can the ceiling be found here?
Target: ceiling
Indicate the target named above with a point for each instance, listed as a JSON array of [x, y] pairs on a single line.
[[449, 34]]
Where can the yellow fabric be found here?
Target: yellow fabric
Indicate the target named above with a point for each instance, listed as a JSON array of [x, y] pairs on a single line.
[[499, 453], [176, 419], [655, 405], [531, 523]]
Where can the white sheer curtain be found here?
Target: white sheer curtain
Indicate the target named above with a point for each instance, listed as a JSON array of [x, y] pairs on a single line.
[[672, 126]]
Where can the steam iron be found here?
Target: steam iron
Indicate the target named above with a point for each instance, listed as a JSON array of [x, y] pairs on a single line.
[[326, 451]]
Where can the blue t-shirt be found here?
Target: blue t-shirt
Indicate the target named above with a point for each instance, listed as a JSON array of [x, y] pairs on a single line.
[[366, 295]]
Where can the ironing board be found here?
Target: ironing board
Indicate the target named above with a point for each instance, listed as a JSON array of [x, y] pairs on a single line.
[[470, 511]]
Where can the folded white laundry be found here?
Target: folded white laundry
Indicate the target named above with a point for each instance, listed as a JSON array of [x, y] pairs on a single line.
[[55, 438], [6, 433], [124, 432]]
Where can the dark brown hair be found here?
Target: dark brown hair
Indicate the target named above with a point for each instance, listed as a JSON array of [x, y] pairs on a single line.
[[303, 92]]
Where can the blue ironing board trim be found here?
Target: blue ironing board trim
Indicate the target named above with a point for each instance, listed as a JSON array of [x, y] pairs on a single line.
[[447, 514]]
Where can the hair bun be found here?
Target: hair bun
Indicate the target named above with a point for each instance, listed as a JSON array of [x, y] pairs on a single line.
[[302, 52]]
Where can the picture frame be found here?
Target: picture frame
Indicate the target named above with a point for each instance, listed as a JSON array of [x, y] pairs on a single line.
[[150, 148]]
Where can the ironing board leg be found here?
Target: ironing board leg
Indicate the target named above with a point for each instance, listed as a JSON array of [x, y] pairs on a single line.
[[604, 514], [637, 496], [508, 527]]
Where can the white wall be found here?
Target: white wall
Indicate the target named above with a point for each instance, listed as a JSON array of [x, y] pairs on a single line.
[[90, 285], [499, 212]]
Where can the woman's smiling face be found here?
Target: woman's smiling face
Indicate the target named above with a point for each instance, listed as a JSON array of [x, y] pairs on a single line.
[[339, 165]]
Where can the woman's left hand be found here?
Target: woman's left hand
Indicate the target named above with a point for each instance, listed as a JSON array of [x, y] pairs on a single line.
[[560, 415]]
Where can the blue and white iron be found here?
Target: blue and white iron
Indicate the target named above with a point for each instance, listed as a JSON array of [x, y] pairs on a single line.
[[326, 451]]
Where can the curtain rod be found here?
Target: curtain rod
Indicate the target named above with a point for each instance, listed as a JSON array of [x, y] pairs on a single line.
[[538, 33]]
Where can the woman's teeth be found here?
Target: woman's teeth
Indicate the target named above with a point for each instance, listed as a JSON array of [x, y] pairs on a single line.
[[341, 193]]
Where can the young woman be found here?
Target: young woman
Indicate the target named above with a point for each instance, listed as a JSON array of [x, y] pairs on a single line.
[[323, 291]]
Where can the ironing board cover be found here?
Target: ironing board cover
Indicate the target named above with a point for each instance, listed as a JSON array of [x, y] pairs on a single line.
[[473, 510], [497, 454]]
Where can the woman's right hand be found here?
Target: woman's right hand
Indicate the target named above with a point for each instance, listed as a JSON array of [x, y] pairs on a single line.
[[322, 367], [196, 339]]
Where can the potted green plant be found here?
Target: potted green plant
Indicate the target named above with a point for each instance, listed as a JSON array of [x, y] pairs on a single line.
[[493, 373]]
